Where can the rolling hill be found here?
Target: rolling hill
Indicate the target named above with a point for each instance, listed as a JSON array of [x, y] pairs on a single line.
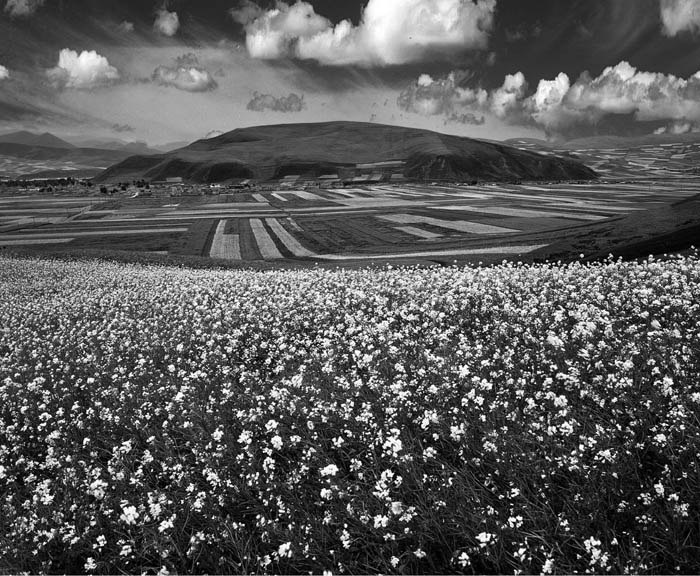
[[270, 152]]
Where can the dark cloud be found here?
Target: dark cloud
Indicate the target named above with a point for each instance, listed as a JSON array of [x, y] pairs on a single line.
[[121, 128], [246, 12], [267, 102], [466, 118]]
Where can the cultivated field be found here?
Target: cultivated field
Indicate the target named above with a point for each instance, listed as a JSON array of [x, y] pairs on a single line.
[[364, 224], [512, 419]]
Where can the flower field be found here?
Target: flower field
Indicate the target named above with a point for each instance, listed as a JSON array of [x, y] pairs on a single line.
[[480, 420]]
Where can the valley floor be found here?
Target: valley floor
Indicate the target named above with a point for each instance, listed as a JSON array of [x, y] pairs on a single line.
[[383, 223]]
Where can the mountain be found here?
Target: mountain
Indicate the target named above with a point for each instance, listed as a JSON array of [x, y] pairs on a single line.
[[45, 140], [270, 152]]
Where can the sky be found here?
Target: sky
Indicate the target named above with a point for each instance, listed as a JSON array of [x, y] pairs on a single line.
[[179, 70]]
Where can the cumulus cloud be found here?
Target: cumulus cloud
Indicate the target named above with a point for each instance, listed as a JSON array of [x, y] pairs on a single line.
[[622, 89], [506, 99], [263, 102], [186, 74], [166, 23], [680, 16], [390, 32], [442, 96], [557, 105], [4, 73], [126, 27], [17, 8], [678, 128], [82, 71]]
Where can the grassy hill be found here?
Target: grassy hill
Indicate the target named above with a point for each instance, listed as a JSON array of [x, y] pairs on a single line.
[[268, 152]]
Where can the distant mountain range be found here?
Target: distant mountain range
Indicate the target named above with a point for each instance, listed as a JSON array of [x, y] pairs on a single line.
[[46, 155], [131, 147], [270, 152], [45, 140]]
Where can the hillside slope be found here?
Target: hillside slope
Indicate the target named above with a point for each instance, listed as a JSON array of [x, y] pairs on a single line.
[[269, 152]]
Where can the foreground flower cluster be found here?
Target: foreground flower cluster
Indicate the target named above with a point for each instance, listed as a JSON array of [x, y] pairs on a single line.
[[506, 419]]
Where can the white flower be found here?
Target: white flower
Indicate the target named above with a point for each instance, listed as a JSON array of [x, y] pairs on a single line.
[[330, 470], [276, 442], [485, 538], [396, 508], [166, 524], [554, 340], [285, 550], [129, 514], [90, 564]]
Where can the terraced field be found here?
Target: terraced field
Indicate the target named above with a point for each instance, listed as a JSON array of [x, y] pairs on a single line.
[[373, 223]]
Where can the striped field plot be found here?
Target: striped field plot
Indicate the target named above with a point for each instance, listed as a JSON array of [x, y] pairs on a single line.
[[504, 250], [419, 232], [288, 240], [225, 246], [34, 241], [309, 196], [76, 234], [522, 212], [458, 225], [343, 193], [266, 245]]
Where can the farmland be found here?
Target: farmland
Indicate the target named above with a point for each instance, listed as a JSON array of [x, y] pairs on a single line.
[[498, 419], [373, 223]]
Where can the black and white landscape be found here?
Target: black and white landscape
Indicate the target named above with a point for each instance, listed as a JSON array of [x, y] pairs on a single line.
[[372, 286]]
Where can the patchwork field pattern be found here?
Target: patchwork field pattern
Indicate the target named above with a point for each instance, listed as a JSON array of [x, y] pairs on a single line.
[[661, 160], [407, 221]]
